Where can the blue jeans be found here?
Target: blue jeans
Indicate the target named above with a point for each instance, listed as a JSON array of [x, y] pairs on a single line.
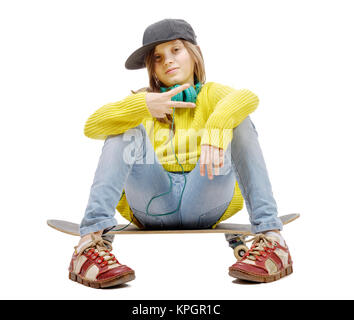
[[204, 201]]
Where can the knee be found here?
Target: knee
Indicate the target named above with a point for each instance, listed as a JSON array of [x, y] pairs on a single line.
[[245, 131], [138, 132], [129, 144], [135, 140], [136, 135], [139, 128]]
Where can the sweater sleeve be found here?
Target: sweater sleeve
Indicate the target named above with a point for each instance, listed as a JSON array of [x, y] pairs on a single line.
[[230, 108], [117, 117]]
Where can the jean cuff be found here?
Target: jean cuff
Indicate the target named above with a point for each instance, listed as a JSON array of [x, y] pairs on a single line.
[[264, 227], [98, 226]]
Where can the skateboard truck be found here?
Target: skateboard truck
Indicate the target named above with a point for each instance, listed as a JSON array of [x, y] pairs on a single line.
[[238, 244]]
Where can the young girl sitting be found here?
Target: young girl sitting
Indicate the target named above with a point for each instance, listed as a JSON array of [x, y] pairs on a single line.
[[182, 153]]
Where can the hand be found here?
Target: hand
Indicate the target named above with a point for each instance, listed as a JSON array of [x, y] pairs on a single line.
[[160, 104], [209, 156]]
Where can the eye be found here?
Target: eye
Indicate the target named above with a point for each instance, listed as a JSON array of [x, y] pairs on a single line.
[[176, 49]]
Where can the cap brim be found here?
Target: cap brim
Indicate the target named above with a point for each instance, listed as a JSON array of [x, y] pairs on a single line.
[[136, 59]]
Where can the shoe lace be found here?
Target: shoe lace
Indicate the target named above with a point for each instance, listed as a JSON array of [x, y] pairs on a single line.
[[261, 246], [101, 248]]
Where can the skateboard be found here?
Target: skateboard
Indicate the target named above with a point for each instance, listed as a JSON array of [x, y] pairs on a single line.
[[238, 232]]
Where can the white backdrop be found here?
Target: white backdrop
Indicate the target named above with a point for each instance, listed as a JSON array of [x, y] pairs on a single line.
[[62, 60]]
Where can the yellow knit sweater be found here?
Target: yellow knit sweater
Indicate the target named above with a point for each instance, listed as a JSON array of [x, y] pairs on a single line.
[[219, 109]]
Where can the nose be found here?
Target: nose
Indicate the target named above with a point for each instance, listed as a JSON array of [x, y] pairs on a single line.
[[168, 60]]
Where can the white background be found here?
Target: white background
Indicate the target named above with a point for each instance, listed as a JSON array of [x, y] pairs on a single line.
[[62, 60]]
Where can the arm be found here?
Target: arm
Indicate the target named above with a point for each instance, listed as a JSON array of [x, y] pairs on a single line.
[[231, 107], [117, 117]]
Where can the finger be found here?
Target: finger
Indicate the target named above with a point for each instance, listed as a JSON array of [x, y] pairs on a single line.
[[216, 171], [169, 111], [181, 104], [209, 164], [216, 161], [178, 89], [202, 162], [210, 170], [221, 163], [221, 158]]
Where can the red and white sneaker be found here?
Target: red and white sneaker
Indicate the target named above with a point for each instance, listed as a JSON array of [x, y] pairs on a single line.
[[94, 266], [265, 261]]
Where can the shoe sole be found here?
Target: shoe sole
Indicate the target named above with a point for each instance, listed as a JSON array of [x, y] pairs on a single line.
[[257, 278], [124, 278]]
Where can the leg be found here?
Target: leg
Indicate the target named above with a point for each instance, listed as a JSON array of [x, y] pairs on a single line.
[[120, 165], [251, 173], [115, 172], [204, 200]]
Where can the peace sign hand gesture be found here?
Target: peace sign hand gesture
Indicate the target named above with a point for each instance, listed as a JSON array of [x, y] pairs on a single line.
[[160, 104]]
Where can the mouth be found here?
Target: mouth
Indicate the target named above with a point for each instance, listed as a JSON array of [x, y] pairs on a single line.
[[171, 70]]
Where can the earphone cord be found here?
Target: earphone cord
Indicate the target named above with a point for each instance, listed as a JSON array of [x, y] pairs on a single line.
[[185, 180]]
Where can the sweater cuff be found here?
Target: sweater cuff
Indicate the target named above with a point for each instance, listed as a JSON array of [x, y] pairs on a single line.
[[138, 103], [217, 137]]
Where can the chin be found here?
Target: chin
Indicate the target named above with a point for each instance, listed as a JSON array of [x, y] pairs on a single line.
[[173, 81]]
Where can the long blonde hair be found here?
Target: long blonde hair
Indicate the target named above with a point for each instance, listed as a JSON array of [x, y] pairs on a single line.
[[155, 84]]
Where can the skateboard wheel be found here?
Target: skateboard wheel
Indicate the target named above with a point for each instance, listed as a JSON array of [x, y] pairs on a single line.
[[240, 251]]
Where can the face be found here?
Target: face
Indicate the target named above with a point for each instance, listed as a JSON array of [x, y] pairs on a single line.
[[173, 55]]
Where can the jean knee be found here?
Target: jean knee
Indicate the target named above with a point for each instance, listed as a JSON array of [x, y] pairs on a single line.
[[137, 132], [245, 131], [133, 142]]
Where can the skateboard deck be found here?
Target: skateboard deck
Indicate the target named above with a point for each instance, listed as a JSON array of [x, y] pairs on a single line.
[[231, 228]]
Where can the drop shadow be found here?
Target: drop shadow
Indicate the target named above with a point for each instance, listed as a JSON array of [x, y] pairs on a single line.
[[245, 282], [118, 286]]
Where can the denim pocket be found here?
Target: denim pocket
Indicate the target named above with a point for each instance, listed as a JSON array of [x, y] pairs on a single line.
[[209, 218], [149, 222]]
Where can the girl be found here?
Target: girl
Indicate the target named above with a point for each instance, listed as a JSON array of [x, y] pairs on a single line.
[[182, 153]]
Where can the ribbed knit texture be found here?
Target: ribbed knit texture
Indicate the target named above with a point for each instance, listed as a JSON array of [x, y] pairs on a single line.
[[219, 109]]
